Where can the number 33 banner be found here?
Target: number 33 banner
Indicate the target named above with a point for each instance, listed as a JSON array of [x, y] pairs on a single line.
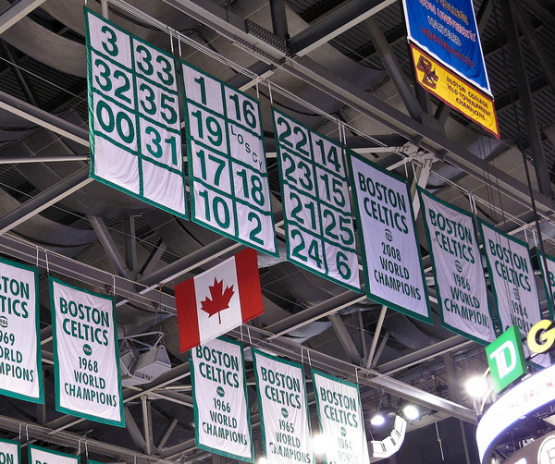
[[134, 123]]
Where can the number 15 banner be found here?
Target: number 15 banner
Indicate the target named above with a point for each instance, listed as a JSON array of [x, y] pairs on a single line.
[[230, 193], [318, 218]]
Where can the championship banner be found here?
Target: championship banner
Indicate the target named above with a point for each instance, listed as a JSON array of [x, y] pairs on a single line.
[[341, 419], [548, 280], [218, 300], [316, 203], [20, 363], [390, 249], [134, 127], [513, 283], [86, 354], [462, 294], [222, 418], [448, 32], [10, 452], [230, 191], [39, 455], [454, 91], [284, 415]]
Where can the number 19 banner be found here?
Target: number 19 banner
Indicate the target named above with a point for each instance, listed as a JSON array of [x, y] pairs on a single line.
[[230, 192], [134, 124], [316, 203]]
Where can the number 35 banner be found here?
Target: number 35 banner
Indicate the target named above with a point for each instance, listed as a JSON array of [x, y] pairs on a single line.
[[318, 219], [230, 193], [135, 132], [86, 354]]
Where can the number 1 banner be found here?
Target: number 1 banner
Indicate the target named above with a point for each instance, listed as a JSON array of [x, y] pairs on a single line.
[[230, 192], [135, 133], [316, 202], [86, 354], [222, 418]]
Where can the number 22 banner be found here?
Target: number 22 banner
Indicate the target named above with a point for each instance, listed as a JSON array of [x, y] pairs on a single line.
[[316, 202]]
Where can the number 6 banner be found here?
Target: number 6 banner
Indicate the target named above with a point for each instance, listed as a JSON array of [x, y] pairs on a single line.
[[135, 133], [230, 193]]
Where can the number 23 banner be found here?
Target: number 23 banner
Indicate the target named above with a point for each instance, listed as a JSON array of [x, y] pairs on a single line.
[[86, 354]]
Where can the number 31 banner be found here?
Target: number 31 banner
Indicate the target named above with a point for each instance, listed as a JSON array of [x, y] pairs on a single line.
[[135, 132]]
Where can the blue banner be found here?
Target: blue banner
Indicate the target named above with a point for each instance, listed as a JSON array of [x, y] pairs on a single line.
[[448, 31]]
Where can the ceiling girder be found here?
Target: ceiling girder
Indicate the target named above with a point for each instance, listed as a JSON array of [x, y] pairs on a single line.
[[345, 338], [109, 246], [17, 11]]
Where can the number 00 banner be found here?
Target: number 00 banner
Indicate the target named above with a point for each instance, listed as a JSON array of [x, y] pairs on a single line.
[[392, 261], [230, 192], [316, 202], [20, 366], [134, 124], [283, 410], [86, 354], [461, 287], [222, 419], [341, 419]]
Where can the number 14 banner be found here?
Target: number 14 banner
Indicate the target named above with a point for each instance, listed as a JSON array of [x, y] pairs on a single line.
[[318, 218]]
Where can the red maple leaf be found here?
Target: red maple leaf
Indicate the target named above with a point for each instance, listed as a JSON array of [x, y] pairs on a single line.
[[219, 301]]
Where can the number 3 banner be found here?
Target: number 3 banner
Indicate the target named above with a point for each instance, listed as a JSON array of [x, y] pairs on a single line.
[[135, 132], [230, 193], [318, 218]]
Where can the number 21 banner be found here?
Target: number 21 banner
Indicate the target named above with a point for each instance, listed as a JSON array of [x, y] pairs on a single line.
[[135, 132], [230, 193], [316, 202]]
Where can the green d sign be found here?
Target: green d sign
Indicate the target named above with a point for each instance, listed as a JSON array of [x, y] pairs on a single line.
[[506, 359]]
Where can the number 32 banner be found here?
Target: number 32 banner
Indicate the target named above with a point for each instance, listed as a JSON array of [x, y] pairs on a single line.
[[86, 354], [318, 219], [135, 132], [230, 193]]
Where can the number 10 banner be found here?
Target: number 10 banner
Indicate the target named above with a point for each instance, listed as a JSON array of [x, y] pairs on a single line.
[[135, 132], [230, 192], [318, 218]]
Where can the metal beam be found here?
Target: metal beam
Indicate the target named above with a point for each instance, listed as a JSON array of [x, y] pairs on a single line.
[[22, 79], [44, 119], [345, 338], [534, 138], [109, 245], [17, 11], [279, 18], [130, 244], [337, 21], [44, 159], [397, 76], [45, 199], [154, 258], [134, 430], [370, 358], [167, 433]]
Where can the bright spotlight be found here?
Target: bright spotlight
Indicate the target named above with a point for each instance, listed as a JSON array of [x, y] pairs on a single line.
[[321, 444], [411, 412], [262, 460], [477, 387], [377, 420]]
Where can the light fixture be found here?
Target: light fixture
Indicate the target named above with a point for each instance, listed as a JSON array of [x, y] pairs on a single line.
[[411, 412], [377, 420], [477, 387], [321, 444], [262, 460]]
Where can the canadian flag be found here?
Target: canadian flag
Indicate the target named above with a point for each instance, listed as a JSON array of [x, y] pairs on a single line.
[[218, 300]]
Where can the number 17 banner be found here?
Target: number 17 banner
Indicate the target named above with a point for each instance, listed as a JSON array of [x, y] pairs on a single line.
[[230, 193], [315, 192]]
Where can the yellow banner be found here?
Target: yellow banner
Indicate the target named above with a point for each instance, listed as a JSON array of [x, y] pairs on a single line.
[[454, 91]]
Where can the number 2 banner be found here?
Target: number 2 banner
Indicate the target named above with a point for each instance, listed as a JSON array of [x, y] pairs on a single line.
[[135, 132], [316, 202], [230, 192]]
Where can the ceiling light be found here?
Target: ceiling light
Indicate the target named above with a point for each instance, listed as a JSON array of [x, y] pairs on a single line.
[[477, 387], [262, 460], [377, 420], [411, 412], [321, 444]]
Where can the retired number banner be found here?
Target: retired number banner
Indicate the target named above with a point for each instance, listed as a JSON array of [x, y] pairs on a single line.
[[86, 354], [462, 294], [513, 283], [316, 202], [20, 362], [548, 279], [39, 455], [230, 192], [392, 261], [341, 419], [283, 410], [10, 452], [134, 126], [222, 418]]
